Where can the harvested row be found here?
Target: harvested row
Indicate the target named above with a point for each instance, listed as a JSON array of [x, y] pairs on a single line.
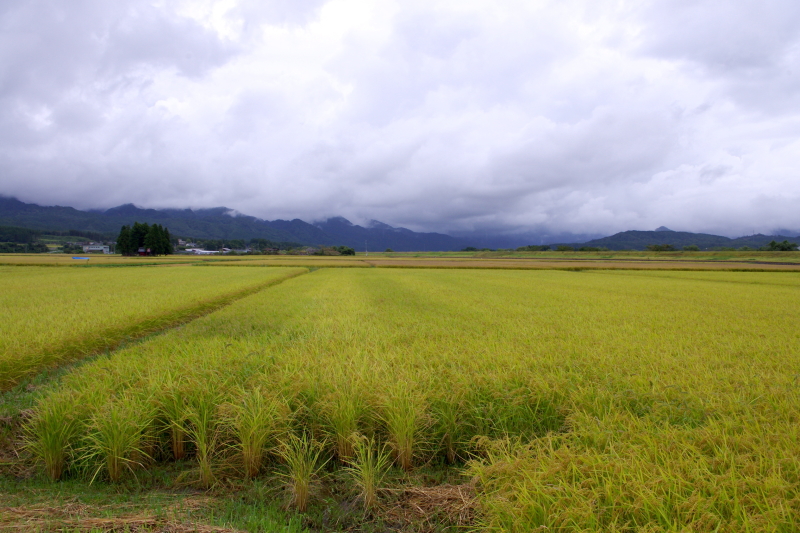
[[587, 401], [49, 316]]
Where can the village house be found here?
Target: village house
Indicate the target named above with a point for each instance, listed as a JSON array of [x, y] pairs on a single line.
[[96, 248]]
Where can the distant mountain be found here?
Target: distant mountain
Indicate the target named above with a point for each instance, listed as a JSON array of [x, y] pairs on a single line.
[[225, 224], [378, 236], [639, 240], [222, 223], [483, 239]]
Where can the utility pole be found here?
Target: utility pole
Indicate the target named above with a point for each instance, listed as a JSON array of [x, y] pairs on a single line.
[[366, 252]]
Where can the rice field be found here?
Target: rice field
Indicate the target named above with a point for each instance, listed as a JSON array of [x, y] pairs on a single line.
[[49, 316], [574, 401]]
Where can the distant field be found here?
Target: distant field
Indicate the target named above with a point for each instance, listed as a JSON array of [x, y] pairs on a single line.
[[94, 259], [514, 260], [51, 315], [590, 401]]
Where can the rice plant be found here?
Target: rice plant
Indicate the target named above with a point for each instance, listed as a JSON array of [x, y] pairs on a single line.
[[368, 468], [403, 414], [50, 316], [204, 431], [342, 414], [594, 401], [257, 419], [301, 456], [115, 436], [52, 434], [173, 409]]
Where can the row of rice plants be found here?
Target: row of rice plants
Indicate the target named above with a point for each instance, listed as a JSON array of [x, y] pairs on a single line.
[[581, 401], [49, 316]]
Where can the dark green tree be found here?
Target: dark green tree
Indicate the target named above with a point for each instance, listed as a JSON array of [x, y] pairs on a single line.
[[156, 238], [138, 234], [783, 246], [124, 243], [166, 242], [344, 250]]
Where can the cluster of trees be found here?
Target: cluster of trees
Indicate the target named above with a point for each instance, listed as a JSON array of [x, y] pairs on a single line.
[[783, 246], [533, 248], [23, 248], [256, 246], [19, 235], [772, 246], [344, 250], [334, 250], [154, 238], [89, 235]]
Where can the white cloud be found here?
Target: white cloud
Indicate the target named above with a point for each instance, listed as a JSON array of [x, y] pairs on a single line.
[[439, 115]]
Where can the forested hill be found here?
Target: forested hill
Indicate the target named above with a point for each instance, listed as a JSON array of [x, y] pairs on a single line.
[[218, 223], [639, 240]]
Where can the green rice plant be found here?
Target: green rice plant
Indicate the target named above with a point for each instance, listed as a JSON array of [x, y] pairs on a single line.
[[172, 404], [51, 434], [203, 430], [403, 415], [368, 468], [449, 424], [302, 458], [257, 418], [115, 436], [342, 413]]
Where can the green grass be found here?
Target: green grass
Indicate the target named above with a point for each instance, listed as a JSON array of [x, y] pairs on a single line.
[[581, 401]]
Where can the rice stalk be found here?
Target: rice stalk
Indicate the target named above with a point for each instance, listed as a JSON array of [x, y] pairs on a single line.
[[204, 431], [51, 434], [403, 414], [342, 415], [115, 435], [369, 468], [302, 458], [256, 421]]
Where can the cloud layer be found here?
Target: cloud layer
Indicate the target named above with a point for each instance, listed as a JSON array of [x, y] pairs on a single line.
[[590, 117]]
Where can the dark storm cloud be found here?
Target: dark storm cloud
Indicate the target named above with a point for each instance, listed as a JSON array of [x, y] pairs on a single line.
[[514, 116]]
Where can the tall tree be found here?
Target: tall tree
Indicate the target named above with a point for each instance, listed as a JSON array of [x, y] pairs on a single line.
[[138, 234], [167, 241], [124, 245]]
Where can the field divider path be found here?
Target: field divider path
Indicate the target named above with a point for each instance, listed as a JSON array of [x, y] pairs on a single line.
[[14, 370]]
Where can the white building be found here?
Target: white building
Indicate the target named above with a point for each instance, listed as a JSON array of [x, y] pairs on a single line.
[[89, 248], [200, 251]]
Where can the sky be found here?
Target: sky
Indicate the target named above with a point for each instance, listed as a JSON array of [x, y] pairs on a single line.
[[454, 116]]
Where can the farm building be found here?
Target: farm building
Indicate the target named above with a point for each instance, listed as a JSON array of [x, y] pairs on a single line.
[[96, 248]]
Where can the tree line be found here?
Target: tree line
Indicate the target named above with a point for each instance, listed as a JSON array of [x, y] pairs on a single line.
[[154, 239]]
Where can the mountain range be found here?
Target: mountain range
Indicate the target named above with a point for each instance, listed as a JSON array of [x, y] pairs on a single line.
[[225, 224], [639, 240]]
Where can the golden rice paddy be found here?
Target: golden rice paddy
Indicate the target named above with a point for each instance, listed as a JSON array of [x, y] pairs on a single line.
[[576, 401]]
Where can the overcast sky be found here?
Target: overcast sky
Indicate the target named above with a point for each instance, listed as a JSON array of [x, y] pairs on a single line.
[[594, 116]]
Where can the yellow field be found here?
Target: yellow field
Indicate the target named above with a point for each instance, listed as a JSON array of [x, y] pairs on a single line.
[[582, 401], [732, 261], [94, 259], [51, 315]]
